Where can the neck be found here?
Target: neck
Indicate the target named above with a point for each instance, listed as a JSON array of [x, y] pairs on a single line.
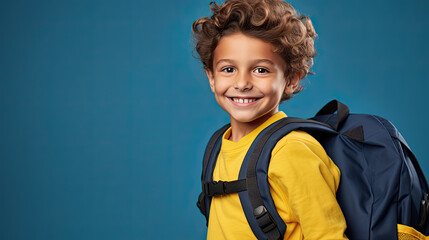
[[241, 129]]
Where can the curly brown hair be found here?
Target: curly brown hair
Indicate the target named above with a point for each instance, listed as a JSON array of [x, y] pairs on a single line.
[[273, 21]]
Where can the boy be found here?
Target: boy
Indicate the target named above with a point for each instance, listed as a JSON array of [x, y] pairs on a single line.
[[255, 52]]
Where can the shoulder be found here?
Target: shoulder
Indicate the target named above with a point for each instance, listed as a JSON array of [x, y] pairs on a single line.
[[300, 154], [298, 141]]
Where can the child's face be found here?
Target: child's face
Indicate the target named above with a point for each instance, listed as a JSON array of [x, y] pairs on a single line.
[[248, 78]]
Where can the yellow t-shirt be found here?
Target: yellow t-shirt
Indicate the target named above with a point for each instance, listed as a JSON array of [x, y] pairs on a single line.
[[303, 181]]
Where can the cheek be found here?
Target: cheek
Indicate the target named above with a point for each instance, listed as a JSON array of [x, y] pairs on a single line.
[[280, 86], [275, 89], [220, 86]]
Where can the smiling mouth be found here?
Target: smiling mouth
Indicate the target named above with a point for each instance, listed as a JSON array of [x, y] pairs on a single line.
[[244, 100]]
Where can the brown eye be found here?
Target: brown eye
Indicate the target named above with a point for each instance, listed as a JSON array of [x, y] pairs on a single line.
[[261, 70], [228, 69]]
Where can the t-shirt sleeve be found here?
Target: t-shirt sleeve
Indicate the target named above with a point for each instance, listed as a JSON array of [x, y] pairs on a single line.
[[303, 182]]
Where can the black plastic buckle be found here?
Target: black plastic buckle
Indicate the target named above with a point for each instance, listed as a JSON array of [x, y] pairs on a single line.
[[264, 219], [214, 188]]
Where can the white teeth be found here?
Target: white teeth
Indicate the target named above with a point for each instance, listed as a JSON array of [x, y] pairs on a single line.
[[243, 100]]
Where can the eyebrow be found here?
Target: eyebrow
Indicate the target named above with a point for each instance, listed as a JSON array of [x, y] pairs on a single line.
[[253, 62], [224, 60]]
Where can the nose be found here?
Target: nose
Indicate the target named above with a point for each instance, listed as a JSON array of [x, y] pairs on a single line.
[[243, 82]]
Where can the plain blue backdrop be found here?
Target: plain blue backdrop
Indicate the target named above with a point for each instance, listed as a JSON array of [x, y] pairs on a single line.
[[104, 113]]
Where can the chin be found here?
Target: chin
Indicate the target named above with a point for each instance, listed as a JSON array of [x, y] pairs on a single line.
[[244, 118]]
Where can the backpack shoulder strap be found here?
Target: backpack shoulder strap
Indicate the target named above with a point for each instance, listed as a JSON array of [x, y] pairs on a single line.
[[257, 201], [215, 138], [209, 161]]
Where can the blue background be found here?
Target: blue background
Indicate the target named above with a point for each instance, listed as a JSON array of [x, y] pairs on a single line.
[[104, 113]]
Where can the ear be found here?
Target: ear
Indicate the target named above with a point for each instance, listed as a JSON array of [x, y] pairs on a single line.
[[211, 78], [293, 82]]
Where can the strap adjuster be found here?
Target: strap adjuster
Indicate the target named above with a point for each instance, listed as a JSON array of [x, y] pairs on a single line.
[[264, 219]]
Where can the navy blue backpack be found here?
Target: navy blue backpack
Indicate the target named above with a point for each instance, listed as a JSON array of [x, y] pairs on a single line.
[[382, 186]]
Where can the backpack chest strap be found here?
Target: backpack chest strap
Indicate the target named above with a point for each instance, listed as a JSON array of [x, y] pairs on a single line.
[[215, 188]]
